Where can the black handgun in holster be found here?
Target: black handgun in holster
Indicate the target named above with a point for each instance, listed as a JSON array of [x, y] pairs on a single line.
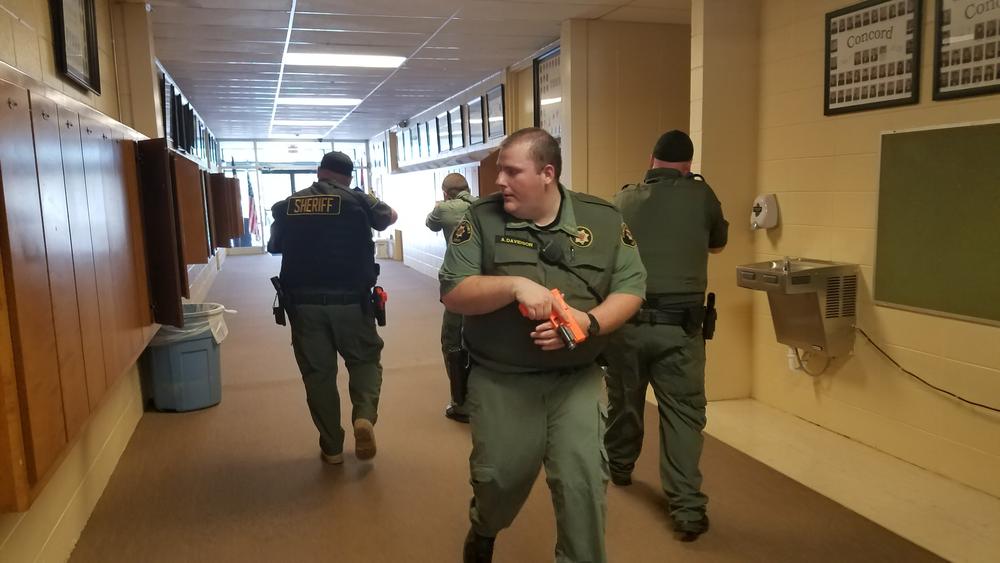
[[378, 299], [711, 315], [280, 302], [457, 364]]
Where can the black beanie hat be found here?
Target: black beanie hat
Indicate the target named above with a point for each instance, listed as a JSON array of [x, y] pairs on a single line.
[[338, 162], [674, 146]]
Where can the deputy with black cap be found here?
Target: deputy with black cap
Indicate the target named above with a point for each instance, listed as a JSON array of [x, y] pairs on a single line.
[[677, 222], [328, 269]]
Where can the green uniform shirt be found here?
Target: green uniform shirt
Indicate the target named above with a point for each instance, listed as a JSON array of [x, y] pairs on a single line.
[[446, 214], [465, 259], [675, 220], [490, 242]]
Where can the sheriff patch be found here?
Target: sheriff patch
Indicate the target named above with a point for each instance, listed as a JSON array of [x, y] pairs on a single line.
[[462, 232], [584, 237], [314, 205], [627, 238], [515, 241]]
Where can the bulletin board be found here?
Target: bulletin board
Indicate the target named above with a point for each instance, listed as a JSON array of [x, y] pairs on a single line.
[[938, 245]]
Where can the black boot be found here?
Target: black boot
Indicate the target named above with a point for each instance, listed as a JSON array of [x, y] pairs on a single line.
[[478, 549]]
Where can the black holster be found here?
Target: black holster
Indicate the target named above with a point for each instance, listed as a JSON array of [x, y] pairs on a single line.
[[280, 302], [456, 362], [711, 316]]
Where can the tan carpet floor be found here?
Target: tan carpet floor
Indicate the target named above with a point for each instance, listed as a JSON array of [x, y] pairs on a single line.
[[242, 481]]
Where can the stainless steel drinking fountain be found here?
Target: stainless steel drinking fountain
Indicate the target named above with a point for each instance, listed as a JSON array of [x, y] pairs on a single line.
[[813, 302]]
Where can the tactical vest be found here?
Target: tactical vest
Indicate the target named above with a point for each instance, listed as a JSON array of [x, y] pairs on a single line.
[[326, 241], [500, 340], [671, 219]]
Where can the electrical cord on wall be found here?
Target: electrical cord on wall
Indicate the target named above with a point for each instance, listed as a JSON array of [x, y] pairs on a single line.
[[921, 380], [802, 364]]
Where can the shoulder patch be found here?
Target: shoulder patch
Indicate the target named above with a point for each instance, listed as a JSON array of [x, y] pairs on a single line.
[[627, 238], [462, 232], [584, 237]]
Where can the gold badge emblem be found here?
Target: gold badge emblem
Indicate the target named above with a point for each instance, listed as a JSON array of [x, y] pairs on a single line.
[[627, 237], [584, 237], [462, 232]]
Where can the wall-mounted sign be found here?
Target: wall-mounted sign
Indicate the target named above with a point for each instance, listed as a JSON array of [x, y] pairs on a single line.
[[872, 56]]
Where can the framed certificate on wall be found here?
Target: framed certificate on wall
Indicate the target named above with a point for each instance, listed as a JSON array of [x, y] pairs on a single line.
[[966, 49], [444, 132], [494, 113], [74, 26], [872, 56], [457, 131], [477, 131], [548, 93]]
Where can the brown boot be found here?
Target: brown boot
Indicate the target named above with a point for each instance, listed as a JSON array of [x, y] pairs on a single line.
[[364, 439]]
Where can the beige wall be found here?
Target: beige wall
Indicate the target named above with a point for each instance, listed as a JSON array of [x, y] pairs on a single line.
[[624, 84], [26, 44], [50, 529], [825, 173], [523, 99], [413, 196], [138, 79], [724, 67]]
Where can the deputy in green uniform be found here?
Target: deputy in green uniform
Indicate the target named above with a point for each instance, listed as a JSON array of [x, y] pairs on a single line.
[[328, 270], [677, 221], [532, 401], [446, 216]]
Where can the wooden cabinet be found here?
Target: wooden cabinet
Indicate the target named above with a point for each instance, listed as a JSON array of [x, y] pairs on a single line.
[[74, 286]]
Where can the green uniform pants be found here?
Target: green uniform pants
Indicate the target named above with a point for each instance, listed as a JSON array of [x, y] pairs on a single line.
[[451, 338], [521, 422], [319, 333], [674, 363]]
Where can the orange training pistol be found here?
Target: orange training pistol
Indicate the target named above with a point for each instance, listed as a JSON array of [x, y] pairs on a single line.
[[569, 331]]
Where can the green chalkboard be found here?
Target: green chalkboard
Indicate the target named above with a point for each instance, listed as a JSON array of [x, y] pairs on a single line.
[[938, 246]]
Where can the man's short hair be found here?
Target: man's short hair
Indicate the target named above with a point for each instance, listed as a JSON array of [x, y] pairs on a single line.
[[674, 146], [338, 162], [454, 183], [542, 147]]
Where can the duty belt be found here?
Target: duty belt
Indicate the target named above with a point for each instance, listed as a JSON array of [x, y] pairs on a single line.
[[658, 317], [325, 299]]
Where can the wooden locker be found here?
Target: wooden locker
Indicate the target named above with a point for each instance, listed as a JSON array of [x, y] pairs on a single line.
[[27, 287], [190, 209], [167, 276], [93, 137], [219, 188], [143, 320], [83, 254], [59, 252]]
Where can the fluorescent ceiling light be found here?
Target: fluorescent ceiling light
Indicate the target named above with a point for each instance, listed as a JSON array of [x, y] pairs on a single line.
[[331, 59], [319, 101], [549, 101], [303, 122]]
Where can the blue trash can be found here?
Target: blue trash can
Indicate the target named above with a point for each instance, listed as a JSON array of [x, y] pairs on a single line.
[[184, 365]]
